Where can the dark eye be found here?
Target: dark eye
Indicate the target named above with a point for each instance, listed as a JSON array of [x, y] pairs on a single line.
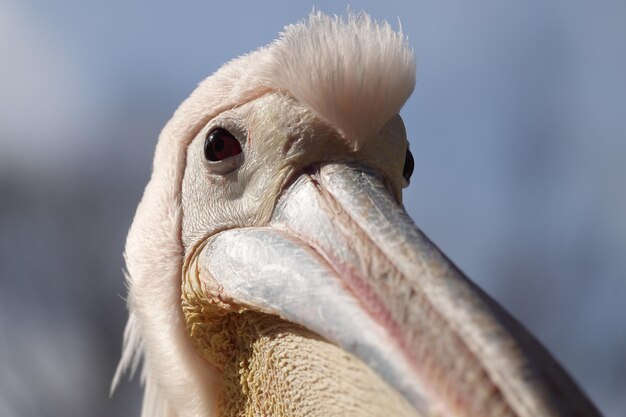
[[220, 144], [409, 164]]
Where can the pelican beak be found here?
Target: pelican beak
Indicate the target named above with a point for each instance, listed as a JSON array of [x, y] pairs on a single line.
[[342, 258]]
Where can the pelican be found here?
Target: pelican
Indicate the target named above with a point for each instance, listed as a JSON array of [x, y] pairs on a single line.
[[272, 269]]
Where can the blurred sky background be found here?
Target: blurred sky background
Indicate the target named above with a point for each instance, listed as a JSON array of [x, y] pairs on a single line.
[[517, 125]]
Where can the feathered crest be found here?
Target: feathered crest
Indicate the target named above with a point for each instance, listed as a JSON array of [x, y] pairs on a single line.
[[355, 74]]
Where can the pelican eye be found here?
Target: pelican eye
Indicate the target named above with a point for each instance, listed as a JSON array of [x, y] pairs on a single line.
[[409, 165], [220, 144]]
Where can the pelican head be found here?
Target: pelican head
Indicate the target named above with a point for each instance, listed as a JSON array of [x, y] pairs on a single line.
[[272, 269]]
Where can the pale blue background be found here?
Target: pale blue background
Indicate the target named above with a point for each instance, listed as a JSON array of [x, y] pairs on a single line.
[[517, 124]]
